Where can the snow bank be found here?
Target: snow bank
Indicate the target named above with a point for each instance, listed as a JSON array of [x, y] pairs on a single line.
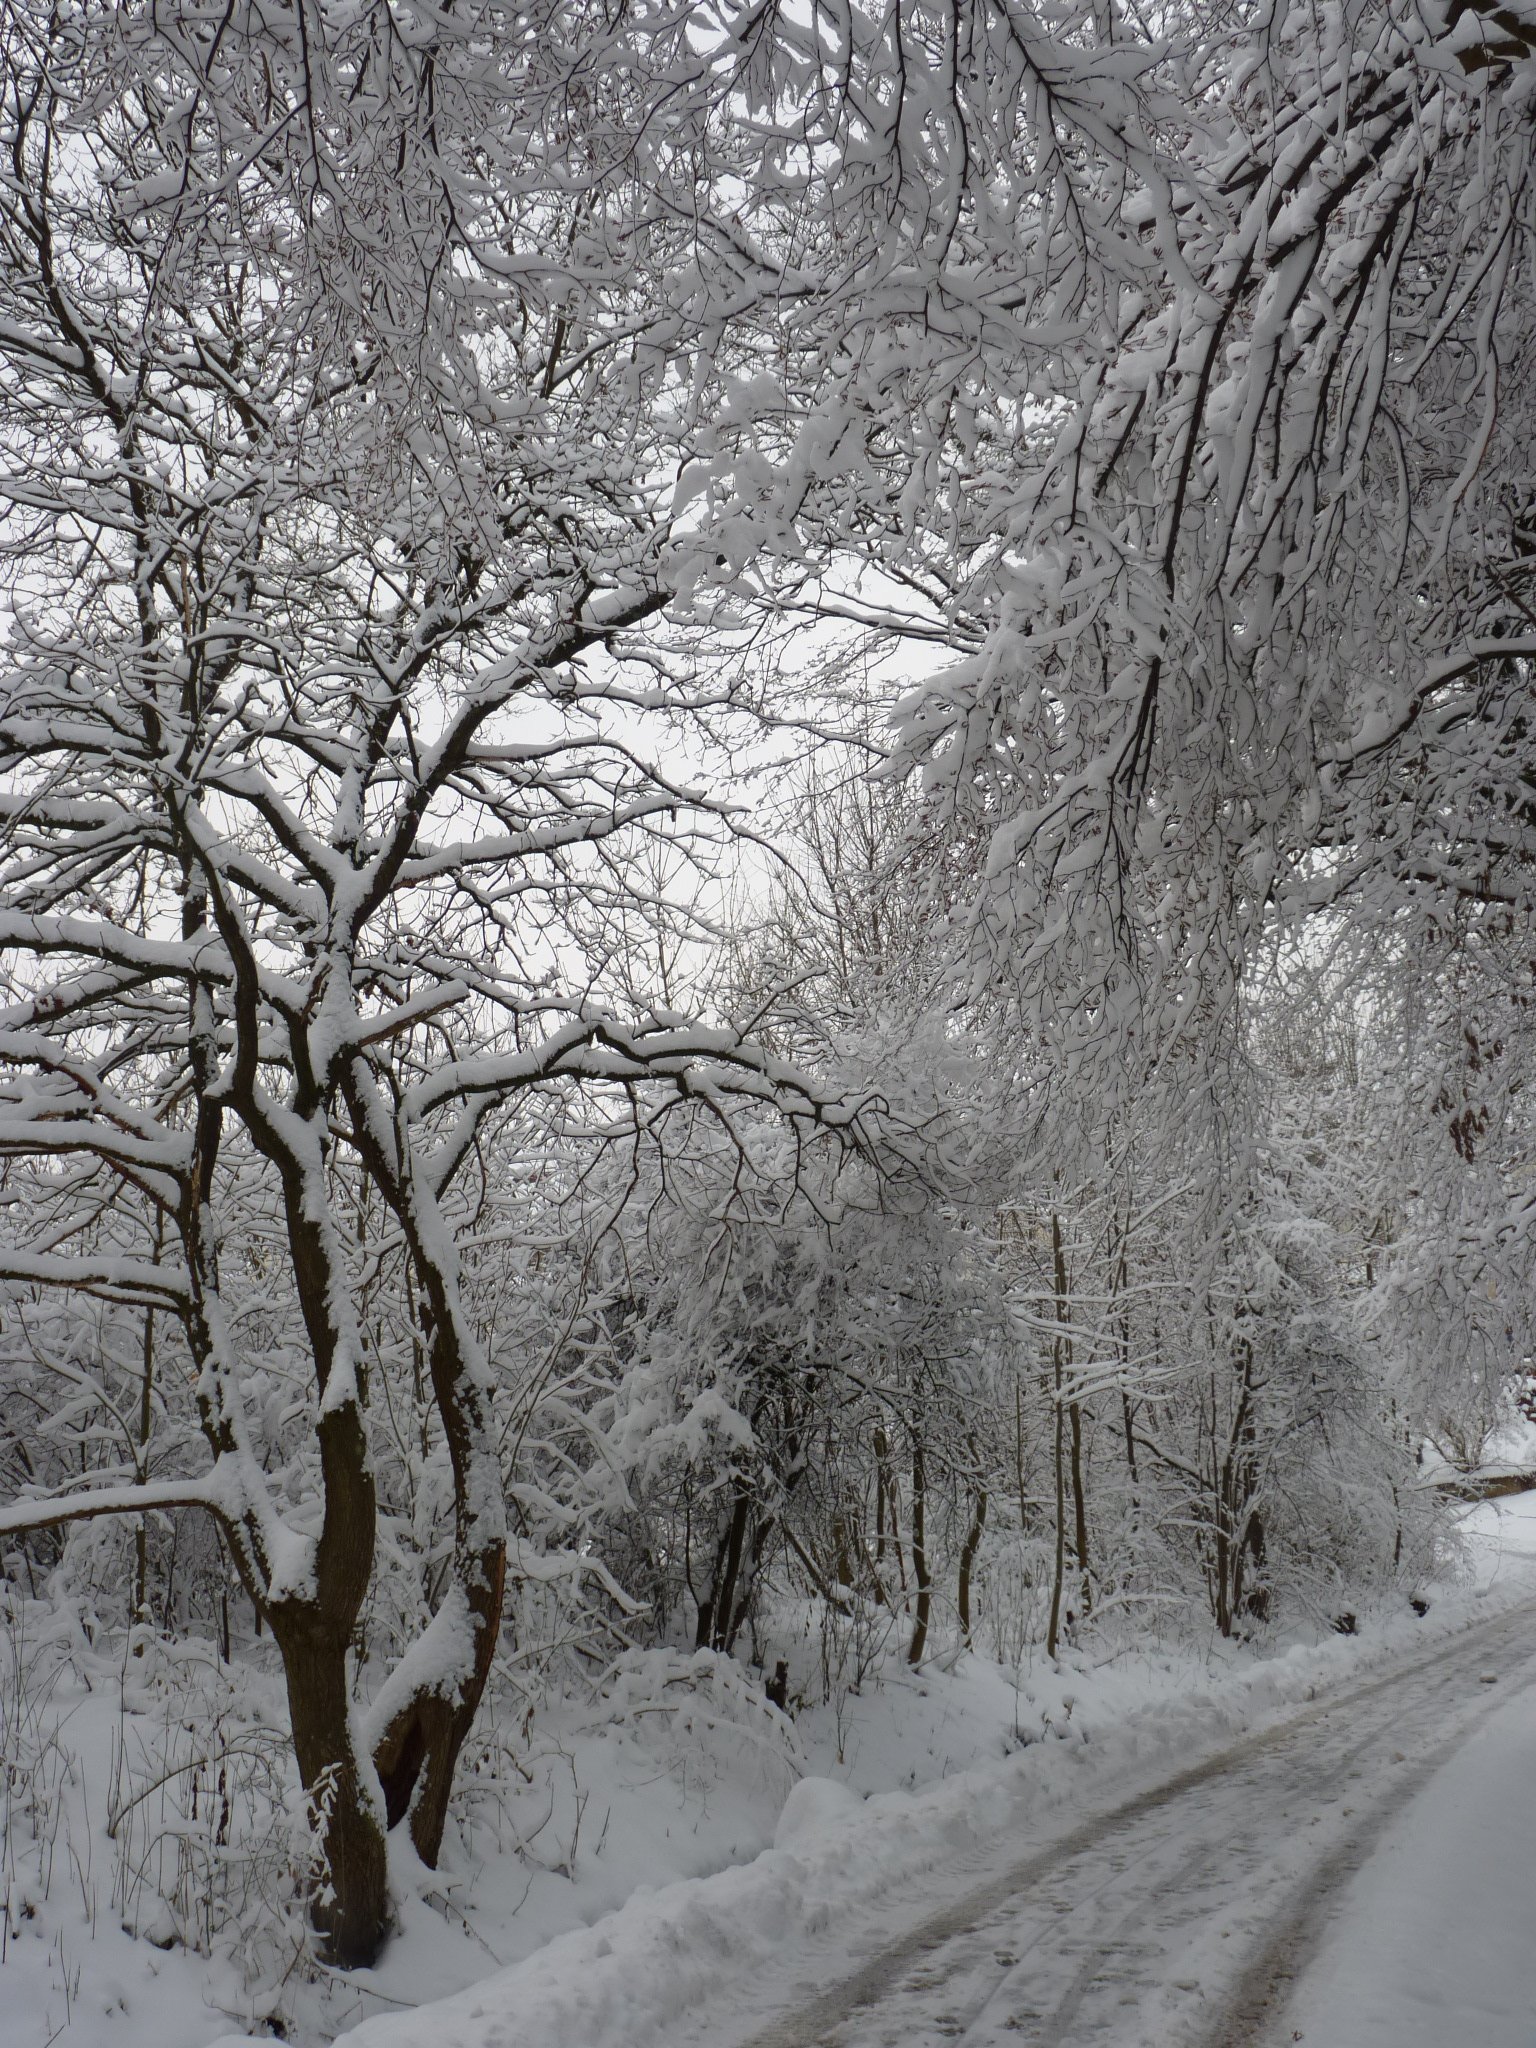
[[628, 1980], [816, 1806], [669, 1806]]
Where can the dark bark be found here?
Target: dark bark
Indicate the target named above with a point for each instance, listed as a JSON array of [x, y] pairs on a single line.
[[1239, 1528], [1058, 1447], [1256, 1599], [351, 1908], [1128, 1424], [920, 1574], [1079, 1501], [313, 1625], [717, 1608], [146, 1418], [968, 1551], [418, 1753], [1059, 1564], [1074, 1420], [843, 1561], [887, 1511]]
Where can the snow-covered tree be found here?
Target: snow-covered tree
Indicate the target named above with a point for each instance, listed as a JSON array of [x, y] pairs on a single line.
[[431, 440], [347, 373]]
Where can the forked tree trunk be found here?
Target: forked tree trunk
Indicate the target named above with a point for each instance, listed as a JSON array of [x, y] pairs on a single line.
[[423, 1716], [430, 1703], [357, 1790], [418, 1752]]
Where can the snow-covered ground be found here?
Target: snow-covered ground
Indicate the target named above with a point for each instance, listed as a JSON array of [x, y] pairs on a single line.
[[1500, 1540], [672, 1837]]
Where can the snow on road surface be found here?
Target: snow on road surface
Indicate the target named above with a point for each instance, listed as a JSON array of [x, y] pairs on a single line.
[[1432, 1940], [1177, 1921], [1131, 1913]]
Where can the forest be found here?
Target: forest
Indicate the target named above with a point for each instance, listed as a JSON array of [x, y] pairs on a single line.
[[767, 841]]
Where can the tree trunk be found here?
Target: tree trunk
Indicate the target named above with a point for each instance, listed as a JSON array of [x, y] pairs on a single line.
[[920, 1573], [350, 1907], [718, 1605], [887, 1510], [418, 1751], [842, 1556], [1074, 1420], [146, 1419], [427, 1708], [1256, 1601], [1079, 1502], [1238, 1529], [1058, 1446], [968, 1551], [314, 1636], [1059, 1565]]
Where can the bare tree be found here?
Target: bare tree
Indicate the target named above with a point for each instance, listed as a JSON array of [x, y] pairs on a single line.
[[336, 465]]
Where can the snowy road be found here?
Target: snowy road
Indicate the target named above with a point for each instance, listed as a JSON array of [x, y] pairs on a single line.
[[1181, 1918]]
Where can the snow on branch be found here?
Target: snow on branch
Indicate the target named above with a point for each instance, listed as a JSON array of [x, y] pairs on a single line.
[[133, 1281], [23, 1516]]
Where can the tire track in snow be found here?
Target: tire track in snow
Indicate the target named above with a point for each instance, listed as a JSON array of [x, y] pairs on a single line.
[[1180, 1916]]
